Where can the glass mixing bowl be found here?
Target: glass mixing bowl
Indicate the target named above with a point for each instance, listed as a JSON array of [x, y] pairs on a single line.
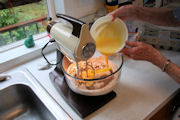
[[96, 86]]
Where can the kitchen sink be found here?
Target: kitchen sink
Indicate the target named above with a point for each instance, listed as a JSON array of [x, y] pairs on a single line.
[[23, 98], [20, 103]]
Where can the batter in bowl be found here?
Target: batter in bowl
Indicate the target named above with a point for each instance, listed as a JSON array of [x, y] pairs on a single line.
[[96, 69]]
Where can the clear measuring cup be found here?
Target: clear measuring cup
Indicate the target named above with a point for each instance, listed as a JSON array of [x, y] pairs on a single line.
[[110, 36]]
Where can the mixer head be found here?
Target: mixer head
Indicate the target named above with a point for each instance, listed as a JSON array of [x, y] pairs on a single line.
[[76, 42]]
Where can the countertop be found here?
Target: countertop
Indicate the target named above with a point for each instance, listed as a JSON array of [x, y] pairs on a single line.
[[141, 90]]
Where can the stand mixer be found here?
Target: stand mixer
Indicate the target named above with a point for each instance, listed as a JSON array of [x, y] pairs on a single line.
[[77, 44]]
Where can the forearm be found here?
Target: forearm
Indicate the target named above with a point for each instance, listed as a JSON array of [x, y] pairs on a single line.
[[157, 16], [172, 70]]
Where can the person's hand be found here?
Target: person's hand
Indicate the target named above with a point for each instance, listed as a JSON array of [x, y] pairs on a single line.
[[143, 51], [156, 16], [127, 12]]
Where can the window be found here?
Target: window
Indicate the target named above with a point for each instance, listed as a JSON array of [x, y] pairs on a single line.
[[20, 18]]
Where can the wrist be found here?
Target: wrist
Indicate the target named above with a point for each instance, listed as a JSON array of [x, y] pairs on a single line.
[[157, 58], [166, 65], [160, 61]]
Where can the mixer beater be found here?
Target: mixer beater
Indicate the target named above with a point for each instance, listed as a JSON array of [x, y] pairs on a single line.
[[87, 71]]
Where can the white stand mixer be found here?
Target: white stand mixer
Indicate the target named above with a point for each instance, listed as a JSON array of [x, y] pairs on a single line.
[[77, 44]]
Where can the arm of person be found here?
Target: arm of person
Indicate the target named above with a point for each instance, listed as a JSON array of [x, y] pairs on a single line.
[[174, 71], [142, 51], [156, 16]]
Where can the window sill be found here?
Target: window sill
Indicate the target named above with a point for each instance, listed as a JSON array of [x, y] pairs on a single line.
[[19, 55], [21, 42]]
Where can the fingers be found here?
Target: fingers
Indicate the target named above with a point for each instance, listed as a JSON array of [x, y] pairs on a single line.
[[123, 13], [127, 51], [130, 52], [132, 44], [114, 17], [114, 14], [120, 12]]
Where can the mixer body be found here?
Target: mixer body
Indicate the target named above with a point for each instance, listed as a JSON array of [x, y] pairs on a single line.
[[76, 43]]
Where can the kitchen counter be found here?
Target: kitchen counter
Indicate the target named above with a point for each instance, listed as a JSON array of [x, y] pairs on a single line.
[[141, 90]]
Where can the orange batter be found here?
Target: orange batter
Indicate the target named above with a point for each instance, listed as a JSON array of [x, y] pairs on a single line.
[[99, 70]]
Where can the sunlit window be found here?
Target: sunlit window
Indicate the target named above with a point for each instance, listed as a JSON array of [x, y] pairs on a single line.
[[20, 18]]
